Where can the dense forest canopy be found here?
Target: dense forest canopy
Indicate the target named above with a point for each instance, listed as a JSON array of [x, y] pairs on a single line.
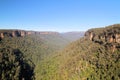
[[95, 57], [54, 56], [14, 66]]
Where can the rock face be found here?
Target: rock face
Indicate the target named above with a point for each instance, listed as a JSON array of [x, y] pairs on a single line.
[[15, 34], [117, 38], [90, 35], [21, 33], [2, 35], [108, 36], [28, 33], [11, 33]]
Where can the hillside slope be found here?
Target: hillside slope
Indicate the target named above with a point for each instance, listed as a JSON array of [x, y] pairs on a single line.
[[36, 46], [95, 57]]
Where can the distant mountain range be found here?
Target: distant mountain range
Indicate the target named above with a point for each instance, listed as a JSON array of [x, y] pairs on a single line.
[[74, 35], [71, 36]]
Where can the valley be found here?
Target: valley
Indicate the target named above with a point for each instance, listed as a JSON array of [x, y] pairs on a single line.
[[90, 55]]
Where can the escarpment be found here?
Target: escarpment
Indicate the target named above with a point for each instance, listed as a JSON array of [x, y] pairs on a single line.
[[12, 33], [108, 36], [21, 33]]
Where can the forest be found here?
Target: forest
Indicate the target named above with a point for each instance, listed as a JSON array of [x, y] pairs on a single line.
[[90, 55]]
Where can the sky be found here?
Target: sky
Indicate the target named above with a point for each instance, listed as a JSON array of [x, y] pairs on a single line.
[[58, 15]]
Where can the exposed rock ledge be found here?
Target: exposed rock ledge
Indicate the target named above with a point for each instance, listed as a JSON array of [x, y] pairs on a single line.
[[108, 36], [20, 33]]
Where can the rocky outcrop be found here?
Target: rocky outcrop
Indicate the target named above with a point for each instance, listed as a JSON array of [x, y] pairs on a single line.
[[15, 34], [117, 38], [2, 35], [108, 36], [11, 33], [21, 33], [29, 32], [90, 35]]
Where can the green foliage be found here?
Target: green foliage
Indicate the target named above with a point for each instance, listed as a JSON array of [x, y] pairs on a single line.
[[36, 47], [84, 60], [80, 60], [14, 66]]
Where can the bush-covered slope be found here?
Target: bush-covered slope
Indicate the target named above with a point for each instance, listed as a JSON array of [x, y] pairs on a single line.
[[86, 59], [96, 56], [14, 66], [37, 47]]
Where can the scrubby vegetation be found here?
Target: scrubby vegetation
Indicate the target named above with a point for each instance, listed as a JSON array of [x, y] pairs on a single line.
[[86, 59], [36, 47], [79, 61], [96, 56], [14, 66]]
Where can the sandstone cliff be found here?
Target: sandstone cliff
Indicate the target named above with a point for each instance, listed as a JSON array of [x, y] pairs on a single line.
[[108, 36], [21, 33]]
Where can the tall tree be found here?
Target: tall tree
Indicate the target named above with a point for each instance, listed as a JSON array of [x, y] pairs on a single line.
[[14, 66]]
